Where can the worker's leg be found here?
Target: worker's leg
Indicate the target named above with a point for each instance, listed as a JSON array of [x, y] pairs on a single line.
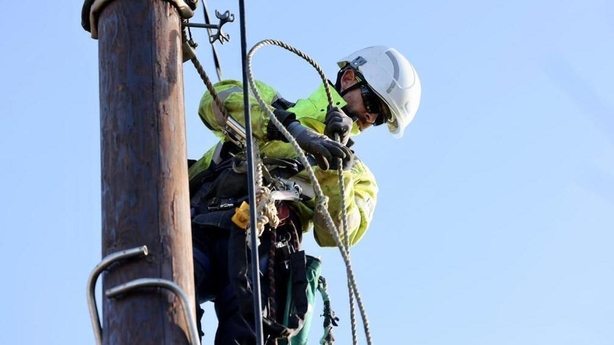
[[232, 327], [210, 272], [234, 306]]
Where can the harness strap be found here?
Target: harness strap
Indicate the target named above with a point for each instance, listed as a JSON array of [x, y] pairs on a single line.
[[298, 263], [222, 159]]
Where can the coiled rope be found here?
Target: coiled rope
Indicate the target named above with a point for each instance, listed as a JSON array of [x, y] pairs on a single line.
[[322, 200]]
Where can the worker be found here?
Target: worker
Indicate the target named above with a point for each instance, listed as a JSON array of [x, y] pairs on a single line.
[[374, 86]]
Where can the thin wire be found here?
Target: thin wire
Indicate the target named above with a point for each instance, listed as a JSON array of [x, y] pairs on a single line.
[[216, 60]]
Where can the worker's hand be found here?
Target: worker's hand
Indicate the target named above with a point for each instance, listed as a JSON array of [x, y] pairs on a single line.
[[337, 122], [321, 147], [346, 163]]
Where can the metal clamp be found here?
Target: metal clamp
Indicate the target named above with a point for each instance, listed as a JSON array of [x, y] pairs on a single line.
[[169, 285], [91, 284], [219, 35]]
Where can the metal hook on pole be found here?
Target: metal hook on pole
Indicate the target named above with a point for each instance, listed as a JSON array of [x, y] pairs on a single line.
[[91, 283], [166, 284]]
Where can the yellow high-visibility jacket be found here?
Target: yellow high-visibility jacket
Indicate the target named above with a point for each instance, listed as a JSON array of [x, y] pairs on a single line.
[[360, 186]]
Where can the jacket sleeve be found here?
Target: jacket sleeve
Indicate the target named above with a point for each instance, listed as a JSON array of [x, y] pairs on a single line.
[[360, 200], [359, 183], [230, 93]]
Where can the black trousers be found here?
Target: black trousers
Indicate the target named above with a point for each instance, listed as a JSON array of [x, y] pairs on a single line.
[[218, 271]]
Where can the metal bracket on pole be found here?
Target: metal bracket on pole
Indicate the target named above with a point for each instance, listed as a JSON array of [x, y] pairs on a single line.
[[91, 283], [219, 35], [169, 285]]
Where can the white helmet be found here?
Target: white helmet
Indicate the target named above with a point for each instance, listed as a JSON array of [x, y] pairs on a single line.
[[393, 78]]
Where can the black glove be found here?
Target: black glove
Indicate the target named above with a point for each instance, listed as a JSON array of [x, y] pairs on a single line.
[[286, 118], [322, 148], [346, 163], [337, 122]]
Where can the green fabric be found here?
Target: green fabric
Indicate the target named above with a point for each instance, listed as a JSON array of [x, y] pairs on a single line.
[[360, 185], [314, 269]]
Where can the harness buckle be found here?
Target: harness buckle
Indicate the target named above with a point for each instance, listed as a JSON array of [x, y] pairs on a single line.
[[286, 249], [216, 204]]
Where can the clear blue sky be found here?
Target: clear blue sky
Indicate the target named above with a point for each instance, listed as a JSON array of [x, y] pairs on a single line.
[[495, 215]]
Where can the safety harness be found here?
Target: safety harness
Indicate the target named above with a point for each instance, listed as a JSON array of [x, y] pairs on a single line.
[[289, 292]]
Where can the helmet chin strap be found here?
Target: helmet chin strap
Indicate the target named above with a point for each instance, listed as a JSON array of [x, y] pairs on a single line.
[[350, 114], [353, 87]]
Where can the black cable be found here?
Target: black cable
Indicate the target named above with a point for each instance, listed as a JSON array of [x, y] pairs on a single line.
[[251, 183], [216, 60]]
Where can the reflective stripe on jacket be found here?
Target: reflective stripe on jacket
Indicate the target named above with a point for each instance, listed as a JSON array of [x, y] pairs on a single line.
[[360, 185]]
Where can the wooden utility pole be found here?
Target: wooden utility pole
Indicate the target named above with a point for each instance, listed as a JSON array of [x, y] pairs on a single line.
[[144, 169]]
